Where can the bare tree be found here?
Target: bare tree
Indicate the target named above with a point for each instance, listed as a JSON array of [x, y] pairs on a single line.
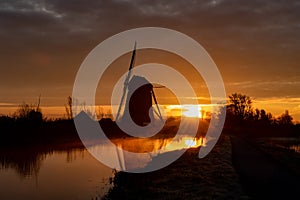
[[68, 107], [24, 110]]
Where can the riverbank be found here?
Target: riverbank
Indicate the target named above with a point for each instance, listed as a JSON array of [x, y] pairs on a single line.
[[212, 177], [262, 175], [283, 150]]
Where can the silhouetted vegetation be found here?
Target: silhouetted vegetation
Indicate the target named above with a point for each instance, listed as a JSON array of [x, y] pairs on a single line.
[[29, 116], [68, 107], [28, 125], [240, 106], [242, 119]]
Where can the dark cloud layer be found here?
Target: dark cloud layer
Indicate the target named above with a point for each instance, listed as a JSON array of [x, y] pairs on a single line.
[[44, 42]]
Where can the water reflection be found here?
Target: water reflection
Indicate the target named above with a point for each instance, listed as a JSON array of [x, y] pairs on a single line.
[[286, 143], [142, 145], [27, 161], [52, 174], [49, 173], [24, 162], [147, 151], [295, 147]]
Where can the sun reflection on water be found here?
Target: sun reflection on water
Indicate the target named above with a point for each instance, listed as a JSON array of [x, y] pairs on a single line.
[[184, 143], [147, 150]]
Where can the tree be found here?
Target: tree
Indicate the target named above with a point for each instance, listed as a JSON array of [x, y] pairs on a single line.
[[29, 116], [265, 117], [27, 111], [285, 119], [68, 107], [24, 110], [240, 106]]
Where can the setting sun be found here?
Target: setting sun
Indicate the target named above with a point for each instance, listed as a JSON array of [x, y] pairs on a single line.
[[191, 111], [190, 142], [187, 110]]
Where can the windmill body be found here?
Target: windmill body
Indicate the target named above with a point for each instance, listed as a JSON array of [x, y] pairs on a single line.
[[139, 101]]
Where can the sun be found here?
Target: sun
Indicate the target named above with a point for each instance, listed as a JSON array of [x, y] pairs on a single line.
[[193, 111], [190, 142]]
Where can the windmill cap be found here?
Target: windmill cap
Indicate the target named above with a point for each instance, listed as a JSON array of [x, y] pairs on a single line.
[[139, 80]]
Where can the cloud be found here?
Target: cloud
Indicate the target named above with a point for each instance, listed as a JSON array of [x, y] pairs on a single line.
[[268, 89], [211, 19], [4, 104], [247, 84], [44, 42]]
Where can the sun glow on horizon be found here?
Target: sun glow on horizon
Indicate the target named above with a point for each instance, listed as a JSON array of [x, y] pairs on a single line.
[[192, 111], [190, 142], [187, 110]]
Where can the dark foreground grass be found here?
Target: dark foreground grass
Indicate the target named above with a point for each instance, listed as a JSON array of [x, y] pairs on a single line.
[[263, 175], [281, 153], [212, 177]]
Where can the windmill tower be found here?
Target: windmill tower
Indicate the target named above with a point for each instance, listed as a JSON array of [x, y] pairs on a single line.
[[138, 101]]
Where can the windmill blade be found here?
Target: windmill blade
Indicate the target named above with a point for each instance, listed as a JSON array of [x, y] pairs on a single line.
[[155, 101], [156, 113], [126, 81], [132, 57]]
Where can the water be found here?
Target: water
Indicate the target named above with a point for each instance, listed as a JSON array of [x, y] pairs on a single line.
[[295, 147], [40, 173], [65, 174], [286, 143]]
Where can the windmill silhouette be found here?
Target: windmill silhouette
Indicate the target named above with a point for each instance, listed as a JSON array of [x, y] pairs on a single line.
[[138, 101]]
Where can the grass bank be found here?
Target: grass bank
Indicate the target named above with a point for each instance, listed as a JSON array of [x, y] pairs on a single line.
[[212, 177]]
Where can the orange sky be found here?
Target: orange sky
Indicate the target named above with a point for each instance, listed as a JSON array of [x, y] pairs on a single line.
[[255, 44]]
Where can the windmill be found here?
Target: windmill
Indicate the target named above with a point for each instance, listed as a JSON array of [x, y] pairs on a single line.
[[138, 101]]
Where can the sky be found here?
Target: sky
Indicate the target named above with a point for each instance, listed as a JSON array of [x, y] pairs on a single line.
[[255, 44]]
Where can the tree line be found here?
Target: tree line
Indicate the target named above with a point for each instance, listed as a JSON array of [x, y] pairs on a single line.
[[243, 118]]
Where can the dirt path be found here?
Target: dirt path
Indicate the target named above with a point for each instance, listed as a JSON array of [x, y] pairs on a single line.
[[261, 175]]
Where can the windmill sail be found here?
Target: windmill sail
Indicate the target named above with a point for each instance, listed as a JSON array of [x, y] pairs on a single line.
[[127, 81], [155, 101]]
